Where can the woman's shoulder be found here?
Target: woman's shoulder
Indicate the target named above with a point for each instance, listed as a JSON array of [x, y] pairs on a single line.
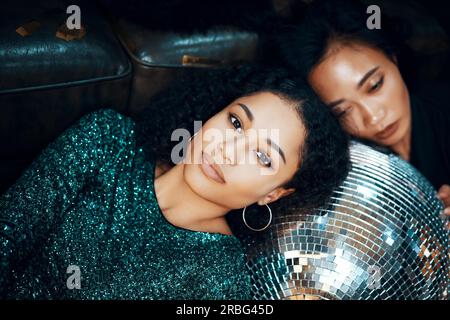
[[105, 117], [102, 132], [430, 107], [105, 125]]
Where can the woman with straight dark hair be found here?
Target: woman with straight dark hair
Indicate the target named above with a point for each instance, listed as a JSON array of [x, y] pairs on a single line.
[[355, 71]]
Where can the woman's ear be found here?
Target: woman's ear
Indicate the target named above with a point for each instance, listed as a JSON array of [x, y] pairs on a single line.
[[394, 59], [275, 194]]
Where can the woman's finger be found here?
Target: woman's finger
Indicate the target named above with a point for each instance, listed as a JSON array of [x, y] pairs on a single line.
[[447, 211], [444, 191]]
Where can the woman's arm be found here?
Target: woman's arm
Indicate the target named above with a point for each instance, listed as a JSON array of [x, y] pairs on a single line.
[[52, 182], [226, 275]]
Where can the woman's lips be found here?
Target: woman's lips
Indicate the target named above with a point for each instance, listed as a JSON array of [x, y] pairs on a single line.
[[389, 131], [211, 169]]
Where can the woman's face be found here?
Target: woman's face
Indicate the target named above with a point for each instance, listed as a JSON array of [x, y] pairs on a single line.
[[245, 152], [366, 91]]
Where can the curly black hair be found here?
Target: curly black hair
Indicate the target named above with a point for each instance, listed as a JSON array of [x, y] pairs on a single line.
[[324, 157], [302, 46]]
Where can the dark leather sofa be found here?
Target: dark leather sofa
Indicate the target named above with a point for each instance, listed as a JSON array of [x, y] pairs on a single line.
[[47, 83], [131, 50]]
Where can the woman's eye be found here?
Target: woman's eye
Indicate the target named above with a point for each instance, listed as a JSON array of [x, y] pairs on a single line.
[[377, 85], [236, 123], [344, 112], [264, 159]]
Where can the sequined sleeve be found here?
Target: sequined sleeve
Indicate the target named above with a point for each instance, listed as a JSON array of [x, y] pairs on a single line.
[[32, 206]]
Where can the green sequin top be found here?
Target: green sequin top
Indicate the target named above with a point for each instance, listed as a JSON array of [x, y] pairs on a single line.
[[86, 210]]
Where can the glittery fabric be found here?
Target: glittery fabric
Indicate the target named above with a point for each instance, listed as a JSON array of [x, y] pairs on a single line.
[[88, 201]]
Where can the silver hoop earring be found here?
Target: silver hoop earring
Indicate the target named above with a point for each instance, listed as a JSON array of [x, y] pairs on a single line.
[[262, 229]]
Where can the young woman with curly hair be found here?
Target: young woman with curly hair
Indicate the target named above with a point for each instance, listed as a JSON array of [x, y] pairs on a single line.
[[106, 200]]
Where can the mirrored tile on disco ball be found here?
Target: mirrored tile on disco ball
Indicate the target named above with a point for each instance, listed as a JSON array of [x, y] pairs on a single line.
[[379, 237]]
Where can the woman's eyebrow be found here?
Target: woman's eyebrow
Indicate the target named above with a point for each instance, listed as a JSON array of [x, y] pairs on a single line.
[[360, 84], [247, 111], [276, 148], [367, 76], [269, 141]]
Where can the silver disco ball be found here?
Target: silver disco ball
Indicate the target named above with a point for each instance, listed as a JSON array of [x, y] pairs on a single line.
[[380, 237]]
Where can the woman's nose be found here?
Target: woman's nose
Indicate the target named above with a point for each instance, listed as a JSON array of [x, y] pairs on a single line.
[[374, 114], [231, 151], [221, 155]]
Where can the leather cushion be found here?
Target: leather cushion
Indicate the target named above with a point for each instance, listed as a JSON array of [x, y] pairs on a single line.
[[41, 59]]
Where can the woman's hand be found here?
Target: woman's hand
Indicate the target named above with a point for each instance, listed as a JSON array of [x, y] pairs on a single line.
[[444, 195]]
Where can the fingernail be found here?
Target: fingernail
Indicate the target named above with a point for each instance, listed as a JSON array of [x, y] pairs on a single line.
[[447, 211]]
